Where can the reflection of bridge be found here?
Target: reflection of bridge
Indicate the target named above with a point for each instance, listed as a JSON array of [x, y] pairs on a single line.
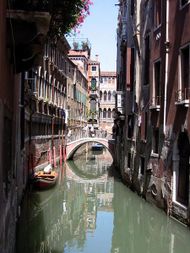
[[72, 176], [71, 147]]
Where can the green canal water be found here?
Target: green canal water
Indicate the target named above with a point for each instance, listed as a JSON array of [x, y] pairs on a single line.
[[91, 211]]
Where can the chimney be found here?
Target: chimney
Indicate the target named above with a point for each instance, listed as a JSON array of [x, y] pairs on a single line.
[[97, 56]]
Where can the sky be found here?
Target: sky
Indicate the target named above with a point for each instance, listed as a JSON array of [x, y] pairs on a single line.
[[100, 29]]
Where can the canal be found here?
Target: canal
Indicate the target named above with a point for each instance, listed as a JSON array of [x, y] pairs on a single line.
[[91, 211]]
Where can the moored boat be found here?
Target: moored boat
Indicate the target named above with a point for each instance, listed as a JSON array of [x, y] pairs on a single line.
[[97, 146], [45, 180]]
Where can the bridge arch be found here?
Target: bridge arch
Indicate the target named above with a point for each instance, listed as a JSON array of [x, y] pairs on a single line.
[[72, 147]]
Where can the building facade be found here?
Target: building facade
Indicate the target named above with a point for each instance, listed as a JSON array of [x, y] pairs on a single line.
[[45, 107], [94, 93], [21, 43], [107, 100], [153, 73]]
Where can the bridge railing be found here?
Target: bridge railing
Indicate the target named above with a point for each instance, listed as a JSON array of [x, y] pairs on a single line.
[[72, 136]]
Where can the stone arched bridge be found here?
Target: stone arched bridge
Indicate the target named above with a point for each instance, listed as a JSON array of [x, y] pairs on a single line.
[[71, 147]]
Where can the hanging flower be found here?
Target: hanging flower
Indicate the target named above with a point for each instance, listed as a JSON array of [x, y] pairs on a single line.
[[68, 15], [84, 12]]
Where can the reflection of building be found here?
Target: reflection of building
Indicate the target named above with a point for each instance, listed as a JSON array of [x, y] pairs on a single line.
[[107, 99]]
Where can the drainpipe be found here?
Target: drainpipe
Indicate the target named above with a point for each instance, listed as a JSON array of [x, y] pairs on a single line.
[[166, 65]]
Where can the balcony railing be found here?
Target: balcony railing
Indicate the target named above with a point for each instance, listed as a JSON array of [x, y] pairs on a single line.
[[155, 103], [183, 97]]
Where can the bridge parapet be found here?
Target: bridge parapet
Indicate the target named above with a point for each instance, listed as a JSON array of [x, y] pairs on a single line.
[[72, 136], [71, 147]]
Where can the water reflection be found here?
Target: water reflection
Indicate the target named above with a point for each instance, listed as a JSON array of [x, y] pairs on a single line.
[[91, 212]]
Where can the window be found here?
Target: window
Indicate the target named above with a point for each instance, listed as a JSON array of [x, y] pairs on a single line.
[[74, 92], [155, 141], [142, 165], [100, 113], [157, 12], [130, 126], [113, 113], [132, 69], [100, 95], [183, 92], [105, 95], [147, 60], [156, 82], [132, 7], [129, 161], [93, 84], [109, 113], [183, 169], [104, 113], [109, 95], [93, 105], [93, 68], [185, 65], [30, 77]]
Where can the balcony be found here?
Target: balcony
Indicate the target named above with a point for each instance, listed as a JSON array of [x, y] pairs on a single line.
[[155, 103], [30, 22], [183, 97]]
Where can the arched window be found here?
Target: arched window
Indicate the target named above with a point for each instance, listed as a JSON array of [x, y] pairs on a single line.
[[104, 113], [109, 95], [109, 113], [113, 113], [100, 95], [100, 113], [105, 95]]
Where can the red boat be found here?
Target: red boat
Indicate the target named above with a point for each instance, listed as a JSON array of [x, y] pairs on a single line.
[[43, 180]]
